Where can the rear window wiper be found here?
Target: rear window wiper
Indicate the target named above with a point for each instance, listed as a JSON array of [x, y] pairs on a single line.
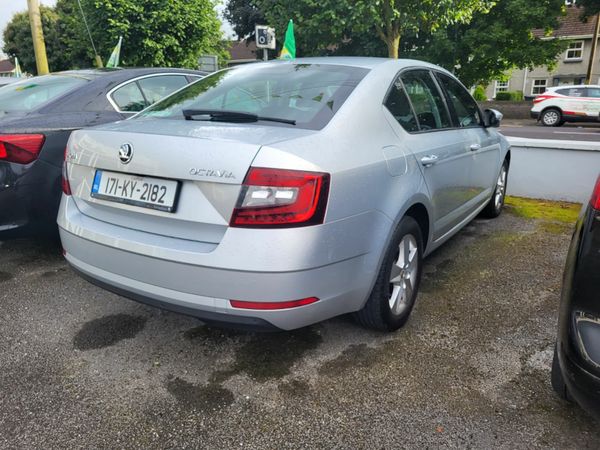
[[217, 115]]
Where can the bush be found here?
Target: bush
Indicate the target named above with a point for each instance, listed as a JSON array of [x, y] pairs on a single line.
[[512, 96], [479, 94]]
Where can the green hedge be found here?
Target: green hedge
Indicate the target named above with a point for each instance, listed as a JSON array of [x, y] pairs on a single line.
[[479, 94], [512, 96]]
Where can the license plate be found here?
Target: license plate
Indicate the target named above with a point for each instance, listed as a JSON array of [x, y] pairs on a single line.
[[147, 192]]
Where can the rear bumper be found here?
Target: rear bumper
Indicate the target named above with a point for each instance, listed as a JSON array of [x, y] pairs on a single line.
[[192, 285], [535, 115], [29, 195], [582, 385]]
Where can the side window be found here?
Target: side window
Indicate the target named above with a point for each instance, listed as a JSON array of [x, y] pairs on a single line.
[[572, 92], [158, 87], [398, 104], [427, 100], [464, 105], [129, 98], [593, 92]]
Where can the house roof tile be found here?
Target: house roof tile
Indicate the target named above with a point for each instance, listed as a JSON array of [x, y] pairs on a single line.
[[6, 66], [571, 25]]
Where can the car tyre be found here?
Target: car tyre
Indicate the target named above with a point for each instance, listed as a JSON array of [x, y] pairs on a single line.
[[393, 296], [557, 380], [494, 207], [552, 117]]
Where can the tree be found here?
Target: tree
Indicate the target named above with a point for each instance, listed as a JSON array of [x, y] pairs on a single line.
[[495, 42], [18, 42], [243, 15], [590, 7], [389, 20], [155, 32]]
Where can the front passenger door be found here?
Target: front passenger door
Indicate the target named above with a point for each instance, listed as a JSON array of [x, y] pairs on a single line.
[[483, 144]]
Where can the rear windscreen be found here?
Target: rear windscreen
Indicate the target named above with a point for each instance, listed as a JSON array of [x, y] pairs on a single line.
[[29, 94], [309, 94]]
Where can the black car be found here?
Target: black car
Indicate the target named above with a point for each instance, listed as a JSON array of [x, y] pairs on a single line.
[[576, 365], [37, 116]]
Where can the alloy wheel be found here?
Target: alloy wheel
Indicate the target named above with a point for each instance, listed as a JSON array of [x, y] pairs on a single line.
[[403, 276], [500, 188], [551, 117]]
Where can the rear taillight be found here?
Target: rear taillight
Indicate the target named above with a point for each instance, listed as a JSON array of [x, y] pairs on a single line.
[[20, 148], [281, 198], [595, 201], [541, 98], [66, 187]]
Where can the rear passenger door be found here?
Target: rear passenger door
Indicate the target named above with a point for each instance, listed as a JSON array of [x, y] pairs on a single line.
[[483, 144], [440, 149]]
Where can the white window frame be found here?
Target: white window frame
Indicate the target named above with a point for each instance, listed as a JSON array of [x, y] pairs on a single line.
[[575, 58], [499, 87], [534, 86]]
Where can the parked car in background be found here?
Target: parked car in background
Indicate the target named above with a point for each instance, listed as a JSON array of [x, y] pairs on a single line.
[[576, 365], [277, 195], [37, 116], [562, 104]]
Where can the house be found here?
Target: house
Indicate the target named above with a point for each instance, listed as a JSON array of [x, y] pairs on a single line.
[[7, 69], [242, 52], [572, 64]]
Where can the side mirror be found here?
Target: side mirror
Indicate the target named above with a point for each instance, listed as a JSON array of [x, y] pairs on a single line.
[[492, 118]]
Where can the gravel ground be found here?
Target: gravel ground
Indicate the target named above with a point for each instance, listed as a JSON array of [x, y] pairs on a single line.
[[83, 368]]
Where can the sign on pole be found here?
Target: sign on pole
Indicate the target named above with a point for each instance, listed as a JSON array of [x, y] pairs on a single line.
[[265, 38], [208, 63]]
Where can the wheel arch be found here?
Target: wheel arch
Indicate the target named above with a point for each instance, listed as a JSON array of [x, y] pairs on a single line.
[[419, 212]]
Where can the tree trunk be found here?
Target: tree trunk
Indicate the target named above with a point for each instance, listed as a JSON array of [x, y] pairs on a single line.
[[393, 44]]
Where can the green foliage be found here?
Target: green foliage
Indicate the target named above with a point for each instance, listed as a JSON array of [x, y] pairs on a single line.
[[18, 41], [244, 15], [169, 33], [512, 96], [496, 42], [590, 7], [155, 32], [479, 93], [327, 23]]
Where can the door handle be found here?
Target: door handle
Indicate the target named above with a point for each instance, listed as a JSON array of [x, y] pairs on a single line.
[[475, 147], [429, 160]]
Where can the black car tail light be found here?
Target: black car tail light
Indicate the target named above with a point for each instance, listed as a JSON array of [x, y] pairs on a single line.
[[20, 148]]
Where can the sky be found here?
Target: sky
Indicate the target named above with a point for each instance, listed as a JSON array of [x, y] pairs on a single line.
[[10, 7]]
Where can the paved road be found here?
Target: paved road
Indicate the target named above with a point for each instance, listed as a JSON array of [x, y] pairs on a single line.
[[83, 368], [568, 132]]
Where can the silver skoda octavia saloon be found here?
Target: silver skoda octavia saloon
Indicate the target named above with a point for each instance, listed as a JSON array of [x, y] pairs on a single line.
[[280, 194]]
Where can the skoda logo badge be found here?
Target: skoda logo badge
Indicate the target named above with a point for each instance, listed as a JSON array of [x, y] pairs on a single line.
[[125, 153]]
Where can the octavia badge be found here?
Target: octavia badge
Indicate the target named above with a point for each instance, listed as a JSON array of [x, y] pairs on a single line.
[[125, 153]]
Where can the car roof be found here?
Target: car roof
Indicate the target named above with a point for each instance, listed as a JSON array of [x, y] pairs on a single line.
[[122, 74], [357, 61], [576, 86]]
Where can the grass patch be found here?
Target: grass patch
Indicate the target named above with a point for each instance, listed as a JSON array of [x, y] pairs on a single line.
[[543, 209]]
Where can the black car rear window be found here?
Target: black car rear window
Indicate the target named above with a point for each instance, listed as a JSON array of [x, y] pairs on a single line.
[[309, 94], [29, 94]]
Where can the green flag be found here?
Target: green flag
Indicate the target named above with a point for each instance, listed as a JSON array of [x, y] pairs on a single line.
[[18, 73], [113, 61], [289, 46]]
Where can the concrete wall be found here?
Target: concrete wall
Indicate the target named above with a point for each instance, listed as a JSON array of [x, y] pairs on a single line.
[[553, 170]]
